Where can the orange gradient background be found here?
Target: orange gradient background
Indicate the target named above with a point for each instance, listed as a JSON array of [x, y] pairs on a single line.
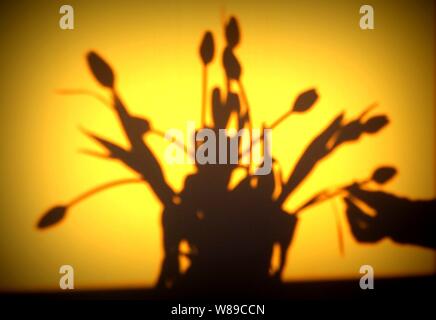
[[114, 239]]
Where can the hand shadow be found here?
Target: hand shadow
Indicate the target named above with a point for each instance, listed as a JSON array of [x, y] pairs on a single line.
[[403, 220]]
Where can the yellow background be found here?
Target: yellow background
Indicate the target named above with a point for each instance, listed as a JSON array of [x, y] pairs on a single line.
[[113, 239]]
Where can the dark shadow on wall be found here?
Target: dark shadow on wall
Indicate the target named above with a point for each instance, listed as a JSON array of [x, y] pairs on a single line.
[[231, 233]]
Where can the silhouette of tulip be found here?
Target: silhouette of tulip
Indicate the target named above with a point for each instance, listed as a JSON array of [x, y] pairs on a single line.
[[354, 129], [101, 70], [349, 132], [232, 32], [374, 124], [207, 48], [305, 101], [52, 217], [380, 176], [383, 174], [231, 64], [56, 214]]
